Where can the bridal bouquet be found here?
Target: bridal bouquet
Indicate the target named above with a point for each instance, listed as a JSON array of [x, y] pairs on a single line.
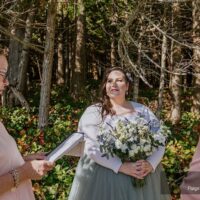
[[131, 140]]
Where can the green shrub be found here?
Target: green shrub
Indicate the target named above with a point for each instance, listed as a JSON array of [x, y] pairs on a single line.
[[63, 120], [179, 151]]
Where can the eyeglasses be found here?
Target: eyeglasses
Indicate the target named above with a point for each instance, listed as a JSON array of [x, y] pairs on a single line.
[[4, 74]]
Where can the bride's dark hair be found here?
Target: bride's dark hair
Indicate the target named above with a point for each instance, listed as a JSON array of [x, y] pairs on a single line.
[[104, 98]]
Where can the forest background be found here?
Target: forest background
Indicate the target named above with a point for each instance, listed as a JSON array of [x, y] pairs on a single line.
[[58, 53]]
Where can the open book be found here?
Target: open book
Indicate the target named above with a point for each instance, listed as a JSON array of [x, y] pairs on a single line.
[[66, 146]]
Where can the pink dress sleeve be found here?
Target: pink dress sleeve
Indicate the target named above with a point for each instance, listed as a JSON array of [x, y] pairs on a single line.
[[190, 187], [10, 158]]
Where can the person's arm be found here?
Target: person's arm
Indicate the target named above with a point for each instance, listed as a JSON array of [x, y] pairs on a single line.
[[93, 151], [88, 124], [6, 183], [156, 157], [34, 170]]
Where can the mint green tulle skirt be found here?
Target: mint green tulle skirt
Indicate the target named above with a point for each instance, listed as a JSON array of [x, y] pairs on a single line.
[[94, 182]]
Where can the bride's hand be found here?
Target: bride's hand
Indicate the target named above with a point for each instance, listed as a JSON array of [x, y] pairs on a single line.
[[145, 167], [131, 169]]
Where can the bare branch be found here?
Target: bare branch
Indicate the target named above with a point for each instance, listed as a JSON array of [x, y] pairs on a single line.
[[6, 32], [20, 97]]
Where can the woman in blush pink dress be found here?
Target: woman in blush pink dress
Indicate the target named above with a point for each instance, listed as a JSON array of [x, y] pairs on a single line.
[[16, 172], [190, 187]]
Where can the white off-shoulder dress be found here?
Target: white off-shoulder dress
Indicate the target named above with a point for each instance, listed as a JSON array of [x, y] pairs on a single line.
[[97, 178]]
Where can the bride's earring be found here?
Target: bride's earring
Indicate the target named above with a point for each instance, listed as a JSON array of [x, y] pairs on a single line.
[[126, 92]]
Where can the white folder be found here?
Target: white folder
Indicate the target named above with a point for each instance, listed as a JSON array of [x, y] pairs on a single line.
[[73, 145]]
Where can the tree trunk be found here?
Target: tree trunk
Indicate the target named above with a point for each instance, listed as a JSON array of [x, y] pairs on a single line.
[[47, 65], [175, 78], [196, 55], [136, 88], [136, 78], [23, 65], [66, 51], [14, 58], [60, 73], [162, 76], [78, 72], [139, 58], [113, 45], [162, 70], [112, 51], [60, 69]]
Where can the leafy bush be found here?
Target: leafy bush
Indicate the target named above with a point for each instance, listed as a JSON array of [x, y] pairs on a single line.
[[63, 120], [179, 151]]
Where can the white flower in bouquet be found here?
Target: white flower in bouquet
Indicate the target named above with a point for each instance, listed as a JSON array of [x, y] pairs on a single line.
[[159, 137], [133, 146], [124, 148], [147, 148], [134, 152], [142, 141], [118, 144]]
